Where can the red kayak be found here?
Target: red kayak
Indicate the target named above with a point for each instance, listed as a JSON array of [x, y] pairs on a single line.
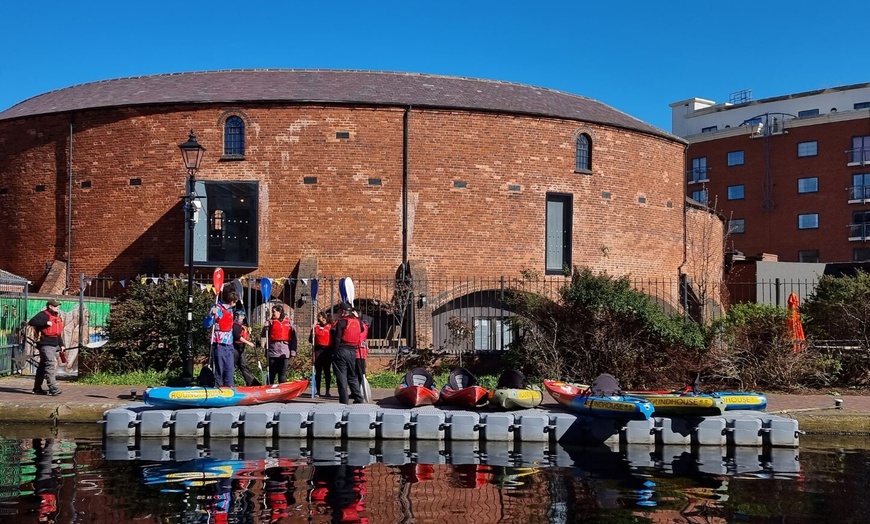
[[463, 390], [417, 389]]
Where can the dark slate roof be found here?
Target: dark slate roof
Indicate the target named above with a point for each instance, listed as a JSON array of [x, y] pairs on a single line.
[[328, 86]]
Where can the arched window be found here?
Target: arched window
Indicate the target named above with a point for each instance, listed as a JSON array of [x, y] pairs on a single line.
[[234, 137], [584, 153]]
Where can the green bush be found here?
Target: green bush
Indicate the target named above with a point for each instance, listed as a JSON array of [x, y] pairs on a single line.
[[147, 329], [752, 348], [600, 324]]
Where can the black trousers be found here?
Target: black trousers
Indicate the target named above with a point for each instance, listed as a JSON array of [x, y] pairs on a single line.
[[242, 365], [278, 369], [323, 367], [344, 361]]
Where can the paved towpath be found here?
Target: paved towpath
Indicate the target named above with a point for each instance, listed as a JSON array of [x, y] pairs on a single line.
[[86, 403]]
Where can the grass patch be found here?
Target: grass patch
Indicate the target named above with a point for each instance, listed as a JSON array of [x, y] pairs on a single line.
[[379, 380]]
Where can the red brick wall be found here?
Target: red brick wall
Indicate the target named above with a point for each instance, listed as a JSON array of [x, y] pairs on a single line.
[[483, 229], [777, 232]]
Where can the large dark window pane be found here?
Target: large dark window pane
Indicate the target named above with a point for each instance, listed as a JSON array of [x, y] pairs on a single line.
[[226, 233]]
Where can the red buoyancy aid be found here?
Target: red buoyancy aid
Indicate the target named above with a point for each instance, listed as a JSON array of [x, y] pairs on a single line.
[[363, 349], [352, 334], [56, 327], [279, 330], [225, 322], [321, 334], [243, 334]]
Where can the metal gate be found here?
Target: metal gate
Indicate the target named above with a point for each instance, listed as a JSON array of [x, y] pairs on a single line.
[[13, 317]]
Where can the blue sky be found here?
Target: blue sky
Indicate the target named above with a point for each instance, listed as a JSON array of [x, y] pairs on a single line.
[[635, 56]]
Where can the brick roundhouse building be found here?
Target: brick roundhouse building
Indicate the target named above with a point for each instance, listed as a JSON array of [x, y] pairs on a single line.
[[311, 173]]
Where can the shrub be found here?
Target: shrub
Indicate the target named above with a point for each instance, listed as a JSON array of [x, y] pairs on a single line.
[[600, 324], [147, 329], [752, 348]]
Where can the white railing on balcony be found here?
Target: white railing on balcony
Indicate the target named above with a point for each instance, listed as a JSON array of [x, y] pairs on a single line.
[[859, 193], [860, 155], [859, 231], [697, 175]]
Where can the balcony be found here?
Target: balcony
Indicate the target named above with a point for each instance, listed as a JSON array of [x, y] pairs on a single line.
[[858, 157], [859, 232], [697, 175], [859, 194]]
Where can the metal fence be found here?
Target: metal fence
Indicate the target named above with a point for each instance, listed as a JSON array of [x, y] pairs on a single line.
[[13, 311], [454, 315]]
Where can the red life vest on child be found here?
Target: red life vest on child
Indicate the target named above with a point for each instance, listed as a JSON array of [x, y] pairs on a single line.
[[363, 349], [225, 322], [56, 327], [321, 334], [243, 333], [279, 330]]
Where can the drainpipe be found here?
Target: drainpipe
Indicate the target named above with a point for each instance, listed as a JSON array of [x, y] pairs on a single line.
[[69, 209], [684, 290], [405, 184]]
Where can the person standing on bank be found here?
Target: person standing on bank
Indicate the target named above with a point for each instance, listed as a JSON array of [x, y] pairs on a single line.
[[282, 344], [241, 339], [49, 326], [346, 340], [221, 316], [322, 352]]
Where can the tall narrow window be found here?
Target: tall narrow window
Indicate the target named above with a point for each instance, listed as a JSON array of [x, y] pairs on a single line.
[[860, 149], [584, 154], [234, 137], [559, 218], [699, 170], [860, 189]]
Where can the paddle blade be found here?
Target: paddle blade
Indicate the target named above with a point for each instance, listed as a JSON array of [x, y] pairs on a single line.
[[314, 287], [350, 289], [342, 291], [217, 279], [266, 289], [237, 287]]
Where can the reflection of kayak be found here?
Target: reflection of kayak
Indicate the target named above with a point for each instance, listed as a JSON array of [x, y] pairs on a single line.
[[204, 471], [581, 400], [199, 397], [682, 403]]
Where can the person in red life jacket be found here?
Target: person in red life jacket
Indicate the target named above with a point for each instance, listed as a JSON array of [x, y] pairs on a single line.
[[282, 344], [346, 338], [362, 353], [46, 479], [49, 326], [322, 352], [241, 340], [221, 317]]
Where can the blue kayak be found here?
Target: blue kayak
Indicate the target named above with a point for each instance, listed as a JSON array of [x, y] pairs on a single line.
[[200, 397], [580, 400]]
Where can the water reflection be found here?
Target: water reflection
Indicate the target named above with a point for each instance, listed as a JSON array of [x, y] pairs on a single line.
[[67, 479]]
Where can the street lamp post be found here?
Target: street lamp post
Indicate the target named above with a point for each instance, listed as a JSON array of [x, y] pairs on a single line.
[[191, 152]]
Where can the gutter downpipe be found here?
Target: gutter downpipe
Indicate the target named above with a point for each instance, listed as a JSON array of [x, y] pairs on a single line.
[[683, 287], [69, 210], [405, 177]]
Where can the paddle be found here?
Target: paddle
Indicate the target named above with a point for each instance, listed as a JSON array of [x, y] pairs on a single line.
[[266, 291], [349, 296], [206, 374], [314, 286]]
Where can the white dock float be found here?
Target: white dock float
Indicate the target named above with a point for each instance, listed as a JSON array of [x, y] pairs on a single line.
[[301, 420]]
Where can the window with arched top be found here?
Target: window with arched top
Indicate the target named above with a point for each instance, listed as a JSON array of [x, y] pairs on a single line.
[[234, 137], [584, 154]]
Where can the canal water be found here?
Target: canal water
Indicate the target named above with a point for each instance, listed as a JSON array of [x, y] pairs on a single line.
[[73, 475]]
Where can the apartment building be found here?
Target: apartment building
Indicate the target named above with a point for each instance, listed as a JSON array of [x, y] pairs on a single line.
[[790, 173]]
